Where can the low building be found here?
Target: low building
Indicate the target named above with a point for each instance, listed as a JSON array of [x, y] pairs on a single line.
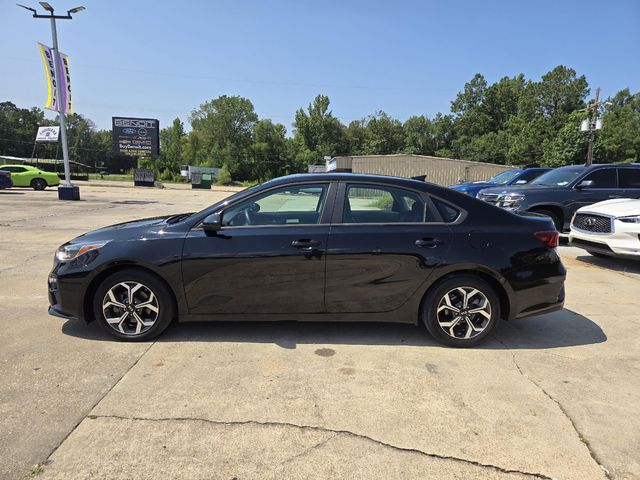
[[440, 170]]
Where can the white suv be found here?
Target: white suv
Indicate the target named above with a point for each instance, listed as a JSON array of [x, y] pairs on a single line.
[[608, 228]]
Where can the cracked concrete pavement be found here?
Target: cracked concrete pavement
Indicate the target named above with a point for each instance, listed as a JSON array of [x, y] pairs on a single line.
[[548, 397]]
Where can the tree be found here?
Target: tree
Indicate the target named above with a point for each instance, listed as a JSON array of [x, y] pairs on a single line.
[[385, 135], [569, 146], [561, 92], [619, 139], [270, 155], [419, 136], [18, 127], [225, 125], [318, 133], [172, 140]]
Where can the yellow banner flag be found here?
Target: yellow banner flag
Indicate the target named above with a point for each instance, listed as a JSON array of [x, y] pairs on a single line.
[[50, 74]]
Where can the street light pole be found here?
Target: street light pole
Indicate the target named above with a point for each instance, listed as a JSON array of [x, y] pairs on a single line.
[[63, 127], [592, 126], [68, 191]]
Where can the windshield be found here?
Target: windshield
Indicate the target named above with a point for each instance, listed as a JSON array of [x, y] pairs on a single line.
[[558, 177], [504, 177]]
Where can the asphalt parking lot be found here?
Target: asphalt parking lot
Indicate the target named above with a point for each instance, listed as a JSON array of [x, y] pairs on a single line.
[[554, 396]]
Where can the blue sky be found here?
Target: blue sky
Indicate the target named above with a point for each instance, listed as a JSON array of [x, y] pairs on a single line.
[[161, 59]]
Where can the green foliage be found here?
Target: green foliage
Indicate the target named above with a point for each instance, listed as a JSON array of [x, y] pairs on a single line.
[[224, 176], [317, 134], [384, 202]]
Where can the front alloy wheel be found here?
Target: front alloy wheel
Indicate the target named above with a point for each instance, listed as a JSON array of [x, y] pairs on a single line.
[[133, 305], [38, 184], [130, 308]]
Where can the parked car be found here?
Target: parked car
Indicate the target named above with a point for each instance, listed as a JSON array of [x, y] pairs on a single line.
[[609, 228], [560, 192], [28, 176], [317, 247], [5, 179], [515, 176]]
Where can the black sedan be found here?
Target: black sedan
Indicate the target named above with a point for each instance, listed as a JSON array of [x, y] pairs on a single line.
[[317, 247]]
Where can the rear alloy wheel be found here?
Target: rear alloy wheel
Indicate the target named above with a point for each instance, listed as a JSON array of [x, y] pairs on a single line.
[[38, 184], [461, 311], [133, 305]]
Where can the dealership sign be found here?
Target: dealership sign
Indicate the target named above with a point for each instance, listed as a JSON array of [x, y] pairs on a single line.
[[48, 134], [136, 137]]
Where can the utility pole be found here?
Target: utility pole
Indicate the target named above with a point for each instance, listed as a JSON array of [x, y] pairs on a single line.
[[592, 124], [68, 191]]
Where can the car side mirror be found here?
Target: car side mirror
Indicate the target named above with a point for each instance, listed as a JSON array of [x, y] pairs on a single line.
[[520, 182], [585, 184], [212, 223]]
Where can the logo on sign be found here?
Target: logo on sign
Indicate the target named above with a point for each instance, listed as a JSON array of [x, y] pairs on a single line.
[[142, 132], [129, 131]]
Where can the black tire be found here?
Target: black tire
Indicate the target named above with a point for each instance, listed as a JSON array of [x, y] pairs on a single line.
[[39, 184], [447, 286], [160, 320], [554, 216]]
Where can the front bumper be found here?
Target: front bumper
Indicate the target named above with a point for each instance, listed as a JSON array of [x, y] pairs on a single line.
[[65, 297], [54, 311], [624, 241]]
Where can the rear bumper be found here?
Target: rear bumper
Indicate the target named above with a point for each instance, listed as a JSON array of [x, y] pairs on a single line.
[[541, 308], [545, 296]]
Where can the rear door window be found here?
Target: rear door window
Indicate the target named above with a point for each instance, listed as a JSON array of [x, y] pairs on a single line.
[[382, 204], [629, 177]]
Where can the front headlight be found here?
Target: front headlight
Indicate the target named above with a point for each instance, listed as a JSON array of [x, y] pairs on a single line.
[[630, 219], [510, 200], [70, 251]]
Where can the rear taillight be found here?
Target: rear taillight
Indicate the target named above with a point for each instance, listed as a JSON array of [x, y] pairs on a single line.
[[548, 237], [6, 174]]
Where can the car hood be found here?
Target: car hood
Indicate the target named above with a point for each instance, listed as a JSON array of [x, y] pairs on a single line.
[[618, 207], [127, 230], [525, 189], [461, 187]]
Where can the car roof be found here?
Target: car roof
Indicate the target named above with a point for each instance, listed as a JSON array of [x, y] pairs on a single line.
[[599, 165], [350, 177], [25, 166]]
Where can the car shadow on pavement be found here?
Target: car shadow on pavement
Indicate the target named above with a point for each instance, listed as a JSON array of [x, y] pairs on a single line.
[[559, 329], [610, 263]]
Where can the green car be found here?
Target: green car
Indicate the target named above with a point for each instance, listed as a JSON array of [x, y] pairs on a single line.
[[28, 176]]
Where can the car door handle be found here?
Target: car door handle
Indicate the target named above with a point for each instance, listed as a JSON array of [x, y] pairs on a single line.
[[305, 243], [428, 242]]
